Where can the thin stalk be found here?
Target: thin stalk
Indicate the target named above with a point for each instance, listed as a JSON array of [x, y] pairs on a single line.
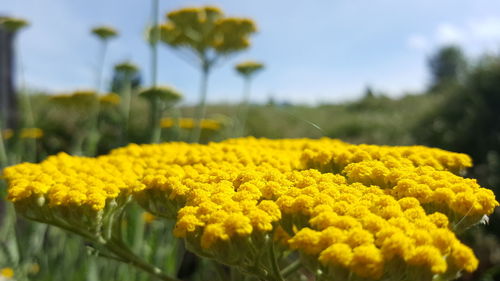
[[155, 106], [274, 264], [219, 269], [244, 105], [291, 268], [120, 250], [115, 246], [176, 113], [100, 65], [156, 112], [29, 120], [127, 100], [201, 109], [154, 45], [93, 137], [3, 154], [138, 235]]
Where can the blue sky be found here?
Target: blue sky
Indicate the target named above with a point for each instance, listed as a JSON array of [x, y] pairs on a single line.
[[315, 50]]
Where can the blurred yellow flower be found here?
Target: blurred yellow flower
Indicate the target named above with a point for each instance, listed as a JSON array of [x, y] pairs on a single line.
[[31, 133], [248, 68], [7, 272], [127, 67], [148, 217], [80, 99], [110, 99], [203, 28], [104, 32], [7, 134], [163, 93], [34, 268], [189, 123], [12, 24]]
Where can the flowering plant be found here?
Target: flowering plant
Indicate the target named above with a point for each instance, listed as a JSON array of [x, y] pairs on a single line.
[[272, 208]]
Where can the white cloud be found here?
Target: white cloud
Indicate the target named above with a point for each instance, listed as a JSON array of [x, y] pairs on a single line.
[[449, 34], [475, 36], [418, 42], [486, 29]]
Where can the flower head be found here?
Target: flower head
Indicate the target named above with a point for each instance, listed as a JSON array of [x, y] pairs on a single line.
[[31, 133], [104, 32], [164, 93], [354, 211], [248, 68], [13, 24]]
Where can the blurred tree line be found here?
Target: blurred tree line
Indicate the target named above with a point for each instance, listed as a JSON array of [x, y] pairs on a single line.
[[468, 117]]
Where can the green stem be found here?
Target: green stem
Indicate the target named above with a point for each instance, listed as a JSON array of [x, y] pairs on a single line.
[[114, 245], [120, 250], [93, 136], [291, 268], [201, 109], [100, 66], [127, 100], [244, 105], [219, 269], [156, 112], [154, 45], [3, 154], [274, 264]]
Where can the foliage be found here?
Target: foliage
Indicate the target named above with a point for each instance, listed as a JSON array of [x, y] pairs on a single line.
[[447, 65]]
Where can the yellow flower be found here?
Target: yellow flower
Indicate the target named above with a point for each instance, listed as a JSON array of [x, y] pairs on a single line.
[[127, 68], [13, 24], [189, 123], [163, 93], [204, 28], [248, 68], [7, 134], [7, 272], [350, 210], [110, 99], [148, 217], [104, 32], [31, 133]]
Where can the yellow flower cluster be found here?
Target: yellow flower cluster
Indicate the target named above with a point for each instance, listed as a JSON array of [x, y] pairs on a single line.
[[363, 210], [126, 67], [248, 68], [355, 228], [334, 157], [7, 272], [82, 99], [110, 99], [189, 123], [163, 93], [31, 133], [206, 28], [64, 180], [104, 32], [25, 133], [13, 24], [461, 199], [7, 134]]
